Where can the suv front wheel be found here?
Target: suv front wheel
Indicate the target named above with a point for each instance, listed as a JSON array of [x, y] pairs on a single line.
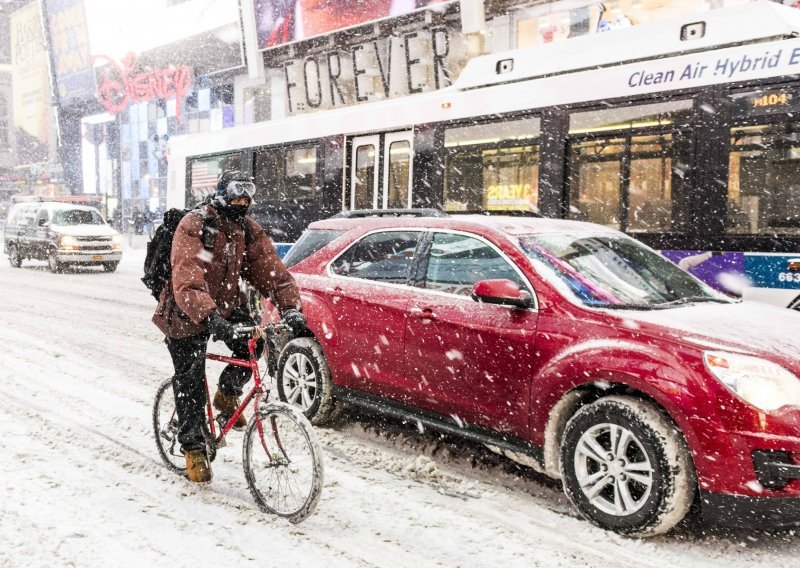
[[304, 381], [626, 467], [53, 263], [14, 257]]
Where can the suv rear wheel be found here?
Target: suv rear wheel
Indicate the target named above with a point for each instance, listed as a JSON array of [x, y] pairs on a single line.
[[14, 257], [626, 467], [304, 381]]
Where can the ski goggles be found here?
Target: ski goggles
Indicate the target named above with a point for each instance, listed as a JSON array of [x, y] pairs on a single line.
[[237, 189]]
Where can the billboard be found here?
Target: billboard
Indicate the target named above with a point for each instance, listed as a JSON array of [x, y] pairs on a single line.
[[284, 21], [31, 85], [202, 34], [69, 49]]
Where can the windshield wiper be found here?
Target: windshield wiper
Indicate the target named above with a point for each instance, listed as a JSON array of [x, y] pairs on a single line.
[[692, 300]]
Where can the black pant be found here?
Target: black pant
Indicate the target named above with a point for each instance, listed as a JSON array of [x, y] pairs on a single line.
[[188, 358]]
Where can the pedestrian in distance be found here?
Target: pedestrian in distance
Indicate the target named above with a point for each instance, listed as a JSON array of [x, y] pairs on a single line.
[[116, 218], [213, 246]]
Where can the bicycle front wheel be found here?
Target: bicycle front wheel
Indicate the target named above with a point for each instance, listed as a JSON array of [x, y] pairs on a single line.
[[165, 424], [283, 462]]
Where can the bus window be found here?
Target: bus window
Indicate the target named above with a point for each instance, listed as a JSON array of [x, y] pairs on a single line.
[[399, 170], [300, 180], [492, 166], [268, 174], [650, 188], [628, 178], [595, 180], [205, 172], [364, 180], [764, 179]]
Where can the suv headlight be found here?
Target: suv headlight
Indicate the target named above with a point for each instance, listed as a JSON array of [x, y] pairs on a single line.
[[764, 384], [68, 242], [116, 242]]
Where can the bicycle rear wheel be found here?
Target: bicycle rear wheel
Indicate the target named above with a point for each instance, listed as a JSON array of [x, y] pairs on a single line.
[[165, 426], [283, 462]]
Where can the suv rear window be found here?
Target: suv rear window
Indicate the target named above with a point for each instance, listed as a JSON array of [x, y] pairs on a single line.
[[309, 243]]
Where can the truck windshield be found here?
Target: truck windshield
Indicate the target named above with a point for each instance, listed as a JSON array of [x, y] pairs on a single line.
[[77, 217], [615, 271]]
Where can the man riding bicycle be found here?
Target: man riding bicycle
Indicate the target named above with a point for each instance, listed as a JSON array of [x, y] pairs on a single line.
[[212, 248]]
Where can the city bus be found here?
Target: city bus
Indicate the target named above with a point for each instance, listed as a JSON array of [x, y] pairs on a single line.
[[684, 134]]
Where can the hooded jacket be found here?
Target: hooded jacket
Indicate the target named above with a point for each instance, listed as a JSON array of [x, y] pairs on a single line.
[[203, 281]]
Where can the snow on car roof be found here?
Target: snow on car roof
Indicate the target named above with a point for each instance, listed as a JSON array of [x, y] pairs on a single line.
[[506, 224]]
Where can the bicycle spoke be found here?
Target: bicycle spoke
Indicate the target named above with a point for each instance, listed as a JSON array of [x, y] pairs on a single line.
[[289, 483]]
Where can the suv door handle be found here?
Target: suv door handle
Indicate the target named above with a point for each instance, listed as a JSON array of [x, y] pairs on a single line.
[[423, 313]]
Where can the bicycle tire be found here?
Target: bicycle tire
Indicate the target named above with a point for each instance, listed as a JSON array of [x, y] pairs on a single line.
[[167, 430], [293, 450]]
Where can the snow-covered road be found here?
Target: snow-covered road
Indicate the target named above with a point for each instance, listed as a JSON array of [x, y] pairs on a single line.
[[81, 483]]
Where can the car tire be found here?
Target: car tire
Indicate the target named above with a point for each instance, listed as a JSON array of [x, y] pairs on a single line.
[[52, 262], [14, 257], [304, 381], [645, 482], [110, 266]]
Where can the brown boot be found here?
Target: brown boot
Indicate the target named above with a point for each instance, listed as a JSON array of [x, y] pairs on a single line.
[[197, 466], [227, 405]]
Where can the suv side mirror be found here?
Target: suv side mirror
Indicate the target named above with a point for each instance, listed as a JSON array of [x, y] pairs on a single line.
[[42, 222], [501, 291]]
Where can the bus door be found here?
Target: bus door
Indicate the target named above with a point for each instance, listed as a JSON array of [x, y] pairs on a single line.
[[380, 171]]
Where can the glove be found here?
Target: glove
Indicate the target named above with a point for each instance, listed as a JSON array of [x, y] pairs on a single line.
[[295, 320], [220, 328]]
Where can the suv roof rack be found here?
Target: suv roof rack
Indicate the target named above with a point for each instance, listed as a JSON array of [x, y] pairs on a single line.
[[359, 213]]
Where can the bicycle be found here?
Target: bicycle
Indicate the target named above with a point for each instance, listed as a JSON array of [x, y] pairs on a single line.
[[281, 456]]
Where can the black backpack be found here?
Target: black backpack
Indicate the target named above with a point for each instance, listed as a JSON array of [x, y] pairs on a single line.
[[157, 265]]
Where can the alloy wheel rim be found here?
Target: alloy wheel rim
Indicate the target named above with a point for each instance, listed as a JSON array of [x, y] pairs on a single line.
[[299, 381], [14, 255], [613, 469], [52, 260]]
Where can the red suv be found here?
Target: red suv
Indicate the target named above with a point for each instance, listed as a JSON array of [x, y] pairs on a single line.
[[567, 346]]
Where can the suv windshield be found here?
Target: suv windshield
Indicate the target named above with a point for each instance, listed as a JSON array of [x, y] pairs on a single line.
[[77, 217], [309, 243], [615, 271]]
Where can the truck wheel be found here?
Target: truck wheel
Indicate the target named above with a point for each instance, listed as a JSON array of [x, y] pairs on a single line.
[[14, 257], [626, 467], [110, 266], [52, 262]]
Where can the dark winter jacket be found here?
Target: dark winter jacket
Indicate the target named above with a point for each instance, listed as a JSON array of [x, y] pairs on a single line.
[[203, 281]]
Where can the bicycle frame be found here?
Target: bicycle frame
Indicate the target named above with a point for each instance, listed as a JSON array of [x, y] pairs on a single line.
[[254, 395]]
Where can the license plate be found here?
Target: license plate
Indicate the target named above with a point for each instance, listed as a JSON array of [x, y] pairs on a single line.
[[97, 258]]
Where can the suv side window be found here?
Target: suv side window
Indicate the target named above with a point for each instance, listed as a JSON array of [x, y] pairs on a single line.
[[383, 257], [26, 215], [43, 215], [456, 262]]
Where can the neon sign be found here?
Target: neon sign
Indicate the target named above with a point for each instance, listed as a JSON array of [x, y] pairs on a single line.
[[121, 85]]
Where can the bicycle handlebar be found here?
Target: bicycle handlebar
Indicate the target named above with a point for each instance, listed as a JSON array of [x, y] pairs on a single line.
[[248, 330]]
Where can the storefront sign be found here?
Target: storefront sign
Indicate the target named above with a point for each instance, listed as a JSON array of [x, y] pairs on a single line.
[[383, 68], [69, 49], [123, 84]]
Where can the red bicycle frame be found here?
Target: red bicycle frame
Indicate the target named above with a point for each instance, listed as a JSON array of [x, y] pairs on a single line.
[[255, 394]]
